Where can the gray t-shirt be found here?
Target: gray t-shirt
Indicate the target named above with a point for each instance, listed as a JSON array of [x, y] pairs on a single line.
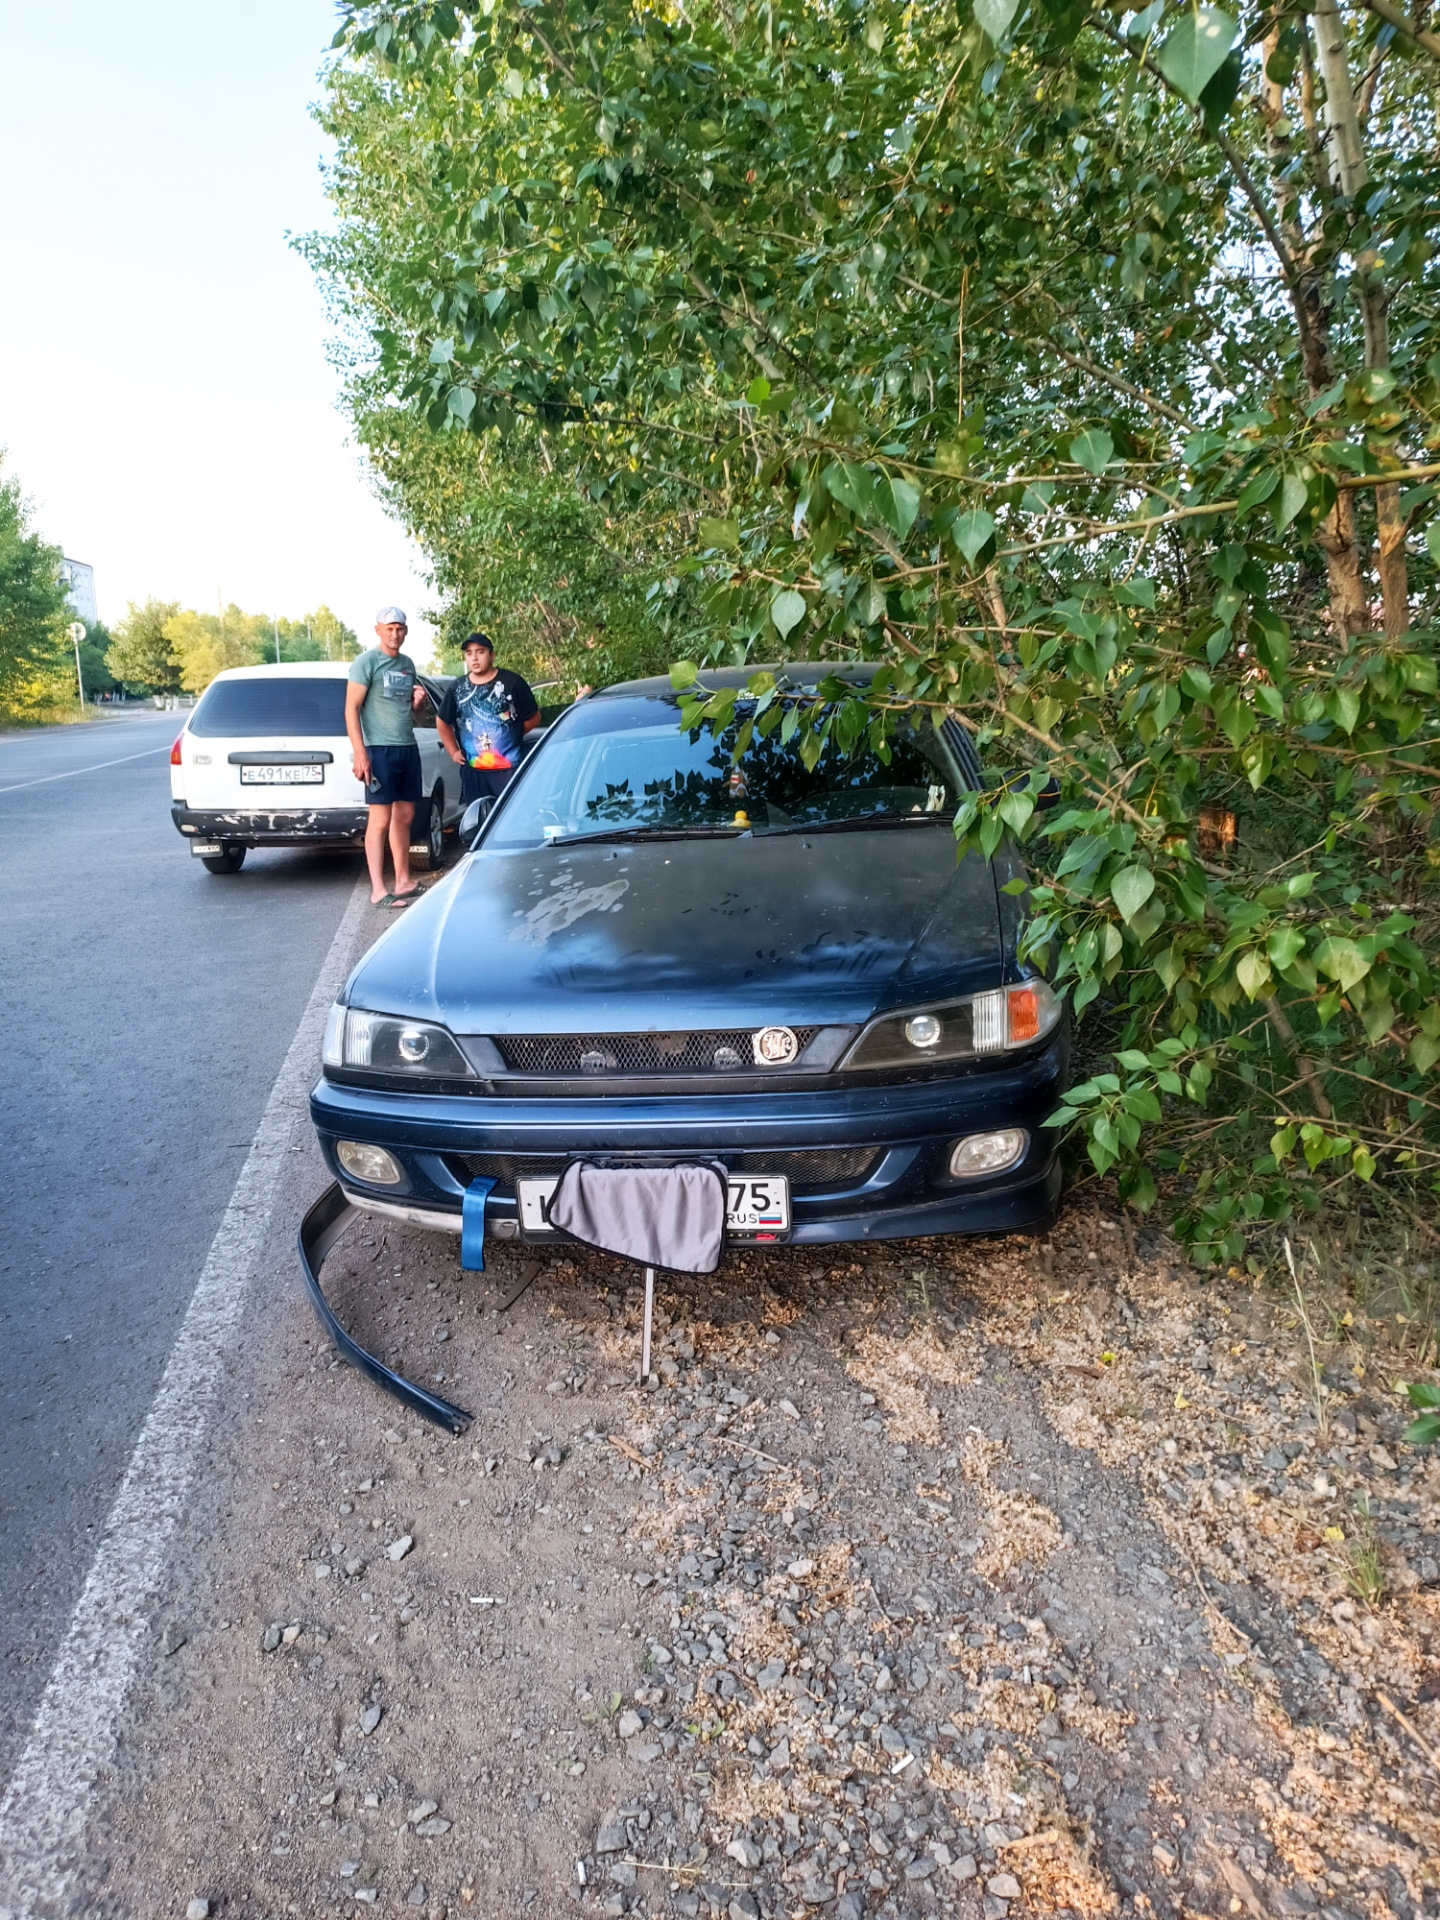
[[387, 717]]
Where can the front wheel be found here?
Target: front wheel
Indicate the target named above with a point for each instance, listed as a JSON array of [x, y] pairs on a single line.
[[230, 861], [427, 838]]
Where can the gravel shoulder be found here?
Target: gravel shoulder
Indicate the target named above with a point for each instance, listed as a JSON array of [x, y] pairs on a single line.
[[937, 1577]]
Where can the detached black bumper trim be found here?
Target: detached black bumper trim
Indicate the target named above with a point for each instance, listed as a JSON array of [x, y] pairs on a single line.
[[319, 1230], [274, 827]]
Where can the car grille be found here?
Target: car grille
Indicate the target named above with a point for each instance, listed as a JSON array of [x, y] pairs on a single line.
[[816, 1167], [720, 1051]]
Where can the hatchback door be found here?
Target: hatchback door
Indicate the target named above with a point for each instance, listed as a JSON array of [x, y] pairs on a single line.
[[269, 745]]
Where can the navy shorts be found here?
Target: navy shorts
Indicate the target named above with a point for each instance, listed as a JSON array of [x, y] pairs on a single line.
[[481, 783], [394, 775]]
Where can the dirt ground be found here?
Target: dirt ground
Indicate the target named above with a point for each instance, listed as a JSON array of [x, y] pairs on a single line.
[[937, 1577]]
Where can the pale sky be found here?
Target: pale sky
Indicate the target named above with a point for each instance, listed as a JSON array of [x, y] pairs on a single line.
[[165, 398]]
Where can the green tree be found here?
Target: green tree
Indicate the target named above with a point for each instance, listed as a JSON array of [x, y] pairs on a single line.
[[33, 615], [94, 665], [207, 643], [162, 647], [1081, 368], [561, 584], [140, 655], [329, 632], [321, 635]]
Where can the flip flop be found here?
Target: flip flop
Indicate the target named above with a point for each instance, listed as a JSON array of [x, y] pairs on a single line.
[[401, 899], [385, 900]]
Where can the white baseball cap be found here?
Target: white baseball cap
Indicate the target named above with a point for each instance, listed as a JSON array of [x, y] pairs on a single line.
[[391, 617]]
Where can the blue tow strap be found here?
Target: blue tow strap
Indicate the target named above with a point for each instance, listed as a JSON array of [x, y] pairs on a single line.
[[472, 1225]]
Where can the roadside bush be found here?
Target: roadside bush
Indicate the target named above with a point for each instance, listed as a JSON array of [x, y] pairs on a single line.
[[1080, 368]]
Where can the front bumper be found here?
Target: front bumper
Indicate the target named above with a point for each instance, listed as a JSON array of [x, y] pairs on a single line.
[[273, 827], [322, 1226], [906, 1192]]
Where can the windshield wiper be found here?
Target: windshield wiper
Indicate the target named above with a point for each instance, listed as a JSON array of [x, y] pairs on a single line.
[[863, 820], [646, 833]]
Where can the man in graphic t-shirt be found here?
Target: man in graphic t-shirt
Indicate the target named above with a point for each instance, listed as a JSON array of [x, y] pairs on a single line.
[[482, 720]]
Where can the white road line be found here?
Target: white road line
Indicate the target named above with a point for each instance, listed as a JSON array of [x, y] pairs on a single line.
[[46, 778], [45, 1811]]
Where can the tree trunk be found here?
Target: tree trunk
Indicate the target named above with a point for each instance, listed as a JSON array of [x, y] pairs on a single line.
[[1394, 573], [1349, 602], [1347, 149], [1352, 174]]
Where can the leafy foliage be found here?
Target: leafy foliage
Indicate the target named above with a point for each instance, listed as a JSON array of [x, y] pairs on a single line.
[[572, 584], [161, 647], [36, 670], [140, 655], [1082, 369], [94, 649], [561, 585], [1425, 1431]]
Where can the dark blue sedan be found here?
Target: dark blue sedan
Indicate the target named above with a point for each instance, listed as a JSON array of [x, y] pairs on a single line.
[[655, 951]]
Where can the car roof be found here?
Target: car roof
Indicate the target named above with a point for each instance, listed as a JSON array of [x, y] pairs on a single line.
[[802, 672], [302, 670], [287, 670]]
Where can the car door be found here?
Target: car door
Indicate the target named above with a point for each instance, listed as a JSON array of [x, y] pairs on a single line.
[[435, 763]]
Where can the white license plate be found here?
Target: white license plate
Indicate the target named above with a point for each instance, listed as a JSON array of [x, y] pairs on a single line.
[[281, 776], [757, 1204]]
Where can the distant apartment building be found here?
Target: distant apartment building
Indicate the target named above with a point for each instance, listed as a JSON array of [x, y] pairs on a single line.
[[80, 589]]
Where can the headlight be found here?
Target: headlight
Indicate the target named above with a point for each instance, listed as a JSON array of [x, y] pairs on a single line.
[[380, 1043], [923, 1030], [959, 1029], [371, 1164], [981, 1153]]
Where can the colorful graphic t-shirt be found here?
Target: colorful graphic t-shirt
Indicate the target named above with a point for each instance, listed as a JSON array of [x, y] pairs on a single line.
[[387, 718], [489, 721]]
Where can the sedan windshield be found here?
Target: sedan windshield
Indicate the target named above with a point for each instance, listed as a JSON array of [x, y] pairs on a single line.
[[623, 768]]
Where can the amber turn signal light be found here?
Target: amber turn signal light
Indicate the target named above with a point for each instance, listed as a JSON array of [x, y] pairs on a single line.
[[1024, 1014]]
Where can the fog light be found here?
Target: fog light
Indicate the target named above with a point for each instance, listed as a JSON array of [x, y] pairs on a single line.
[[923, 1030], [371, 1164], [986, 1153]]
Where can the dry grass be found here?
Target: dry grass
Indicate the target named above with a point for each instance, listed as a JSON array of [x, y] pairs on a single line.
[[900, 1372], [1136, 1370], [1017, 1526]]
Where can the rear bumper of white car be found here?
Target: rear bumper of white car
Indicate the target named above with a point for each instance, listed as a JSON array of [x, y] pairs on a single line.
[[273, 826]]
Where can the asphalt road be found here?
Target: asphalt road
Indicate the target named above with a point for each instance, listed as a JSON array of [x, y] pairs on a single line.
[[148, 1006]]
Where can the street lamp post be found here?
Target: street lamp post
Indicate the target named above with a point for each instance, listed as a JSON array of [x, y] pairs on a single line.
[[77, 634]]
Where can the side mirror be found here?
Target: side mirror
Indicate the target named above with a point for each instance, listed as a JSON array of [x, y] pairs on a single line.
[[474, 818]]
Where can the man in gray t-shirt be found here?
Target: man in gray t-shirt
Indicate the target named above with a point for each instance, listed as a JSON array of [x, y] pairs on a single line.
[[386, 712], [380, 703]]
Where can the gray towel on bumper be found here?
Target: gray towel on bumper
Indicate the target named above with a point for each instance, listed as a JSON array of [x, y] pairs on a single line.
[[671, 1217]]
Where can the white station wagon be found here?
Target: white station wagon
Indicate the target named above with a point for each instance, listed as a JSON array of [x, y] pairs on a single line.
[[264, 762]]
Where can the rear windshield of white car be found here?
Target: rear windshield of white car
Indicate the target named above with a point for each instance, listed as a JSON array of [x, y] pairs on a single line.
[[270, 709], [627, 764]]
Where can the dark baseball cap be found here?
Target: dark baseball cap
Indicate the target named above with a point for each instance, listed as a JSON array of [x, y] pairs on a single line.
[[478, 640]]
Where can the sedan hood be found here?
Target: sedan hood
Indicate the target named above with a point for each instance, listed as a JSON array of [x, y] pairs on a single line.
[[669, 934]]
